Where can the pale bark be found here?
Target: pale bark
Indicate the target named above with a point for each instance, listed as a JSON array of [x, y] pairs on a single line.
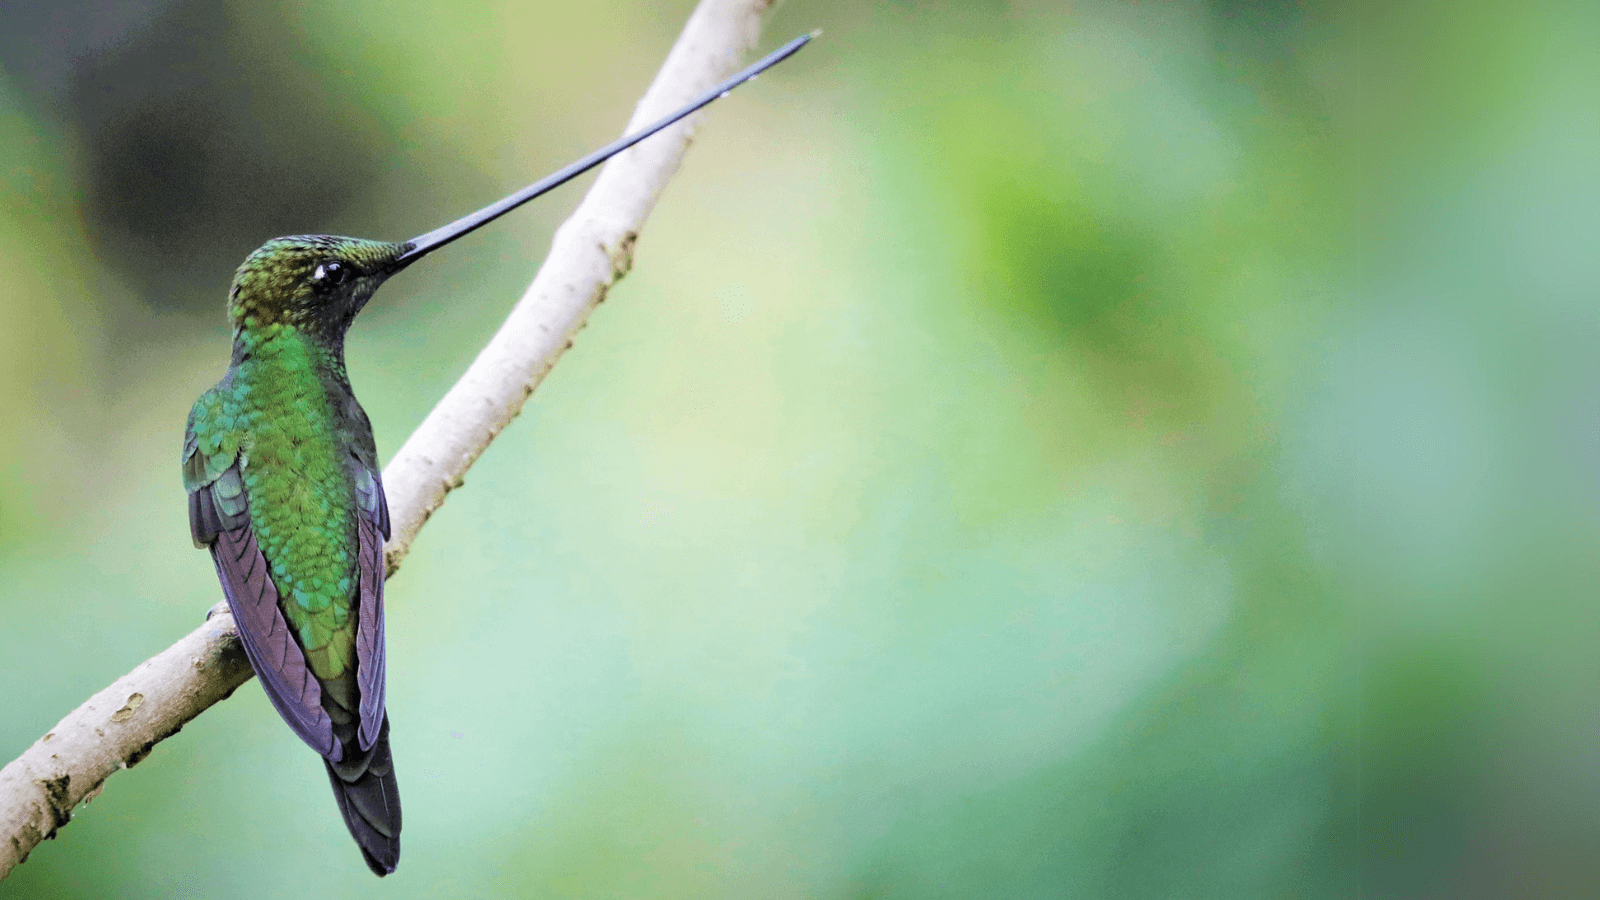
[[119, 726]]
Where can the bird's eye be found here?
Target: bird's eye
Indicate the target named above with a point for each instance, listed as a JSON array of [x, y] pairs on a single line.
[[330, 272]]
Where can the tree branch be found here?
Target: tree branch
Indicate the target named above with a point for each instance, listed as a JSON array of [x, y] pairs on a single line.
[[591, 251]]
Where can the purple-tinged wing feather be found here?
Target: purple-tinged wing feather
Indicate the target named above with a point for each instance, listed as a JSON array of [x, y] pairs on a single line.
[[370, 655], [372, 526], [204, 522], [271, 648], [383, 505], [219, 518]]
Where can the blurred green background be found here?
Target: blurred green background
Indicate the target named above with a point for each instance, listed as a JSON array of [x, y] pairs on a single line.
[[1102, 449]]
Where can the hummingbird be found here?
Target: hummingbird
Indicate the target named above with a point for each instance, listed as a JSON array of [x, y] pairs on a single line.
[[285, 490]]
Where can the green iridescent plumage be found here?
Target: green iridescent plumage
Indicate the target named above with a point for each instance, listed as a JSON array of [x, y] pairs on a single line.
[[285, 489], [301, 496], [279, 407]]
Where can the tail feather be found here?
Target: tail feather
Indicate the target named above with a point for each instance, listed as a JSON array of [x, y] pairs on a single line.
[[369, 799]]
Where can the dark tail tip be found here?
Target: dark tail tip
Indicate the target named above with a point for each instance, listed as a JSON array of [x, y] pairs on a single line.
[[369, 800]]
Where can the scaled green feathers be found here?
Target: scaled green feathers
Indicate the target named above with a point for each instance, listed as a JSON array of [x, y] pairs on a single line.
[[279, 412], [285, 489], [277, 417]]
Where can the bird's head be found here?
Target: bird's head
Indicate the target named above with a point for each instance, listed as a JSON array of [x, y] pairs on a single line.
[[313, 283]]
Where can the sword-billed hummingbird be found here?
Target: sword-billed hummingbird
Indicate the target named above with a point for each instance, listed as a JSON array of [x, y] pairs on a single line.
[[285, 489]]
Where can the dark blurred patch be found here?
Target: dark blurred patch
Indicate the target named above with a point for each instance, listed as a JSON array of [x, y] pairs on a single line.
[[1066, 264], [1264, 44], [1068, 268], [204, 132], [1424, 735], [1274, 31], [1257, 15]]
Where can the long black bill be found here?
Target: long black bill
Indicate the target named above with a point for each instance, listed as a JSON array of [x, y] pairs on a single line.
[[438, 237]]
